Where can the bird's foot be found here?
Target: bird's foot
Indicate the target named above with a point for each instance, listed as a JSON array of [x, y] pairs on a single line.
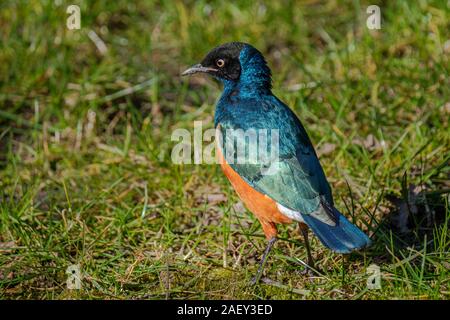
[[307, 271], [255, 280]]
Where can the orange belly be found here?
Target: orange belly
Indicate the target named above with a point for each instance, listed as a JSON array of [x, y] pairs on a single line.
[[263, 207]]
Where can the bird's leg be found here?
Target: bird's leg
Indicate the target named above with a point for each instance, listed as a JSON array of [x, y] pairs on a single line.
[[255, 280], [304, 231]]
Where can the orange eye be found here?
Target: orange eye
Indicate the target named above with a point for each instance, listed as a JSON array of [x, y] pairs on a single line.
[[220, 63]]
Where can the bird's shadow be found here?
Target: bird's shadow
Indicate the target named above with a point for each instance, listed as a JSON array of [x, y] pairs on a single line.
[[411, 222]]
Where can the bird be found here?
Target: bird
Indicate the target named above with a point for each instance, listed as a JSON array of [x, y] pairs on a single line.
[[296, 190]]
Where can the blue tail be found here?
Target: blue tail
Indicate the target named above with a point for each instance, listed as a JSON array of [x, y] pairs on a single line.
[[344, 237]]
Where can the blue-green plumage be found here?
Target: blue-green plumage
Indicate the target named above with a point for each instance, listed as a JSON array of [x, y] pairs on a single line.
[[299, 182]]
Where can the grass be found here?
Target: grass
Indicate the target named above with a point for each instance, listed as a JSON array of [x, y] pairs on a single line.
[[85, 170]]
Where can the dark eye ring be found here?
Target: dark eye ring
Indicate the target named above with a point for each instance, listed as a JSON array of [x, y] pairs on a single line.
[[220, 63]]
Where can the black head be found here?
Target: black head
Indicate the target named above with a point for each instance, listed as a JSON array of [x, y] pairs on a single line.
[[222, 62]]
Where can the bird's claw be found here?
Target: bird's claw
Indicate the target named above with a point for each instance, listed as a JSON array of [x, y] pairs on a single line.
[[255, 280], [307, 272]]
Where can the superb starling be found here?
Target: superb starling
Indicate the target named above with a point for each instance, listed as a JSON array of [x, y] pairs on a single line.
[[297, 190]]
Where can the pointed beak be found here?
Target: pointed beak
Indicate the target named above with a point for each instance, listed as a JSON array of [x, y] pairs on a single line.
[[197, 68]]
